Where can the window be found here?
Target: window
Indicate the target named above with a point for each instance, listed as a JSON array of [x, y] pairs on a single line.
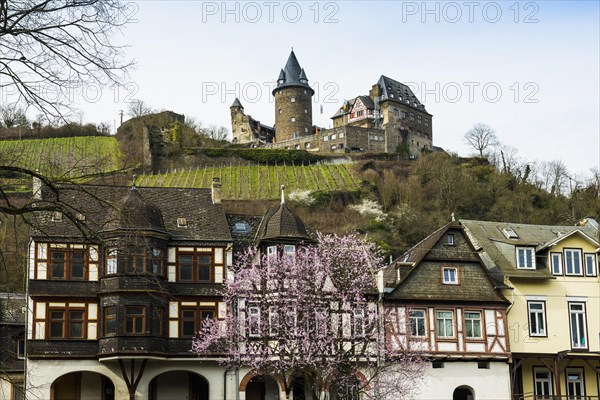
[[293, 119], [57, 216], [412, 116], [110, 320], [191, 319], [254, 321], [20, 342], [445, 324], [135, 320], [289, 250], [140, 260], [305, 111], [556, 263], [67, 264], [525, 258], [404, 115], [537, 318], [510, 233], [66, 323], [396, 113], [195, 267], [573, 262], [483, 364], [358, 322], [293, 99], [578, 326], [473, 325], [273, 321], [542, 383], [417, 322], [272, 251], [450, 240], [575, 384], [325, 138], [158, 319], [450, 276], [18, 391], [111, 262], [181, 222], [590, 264], [437, 364], [241, 227]]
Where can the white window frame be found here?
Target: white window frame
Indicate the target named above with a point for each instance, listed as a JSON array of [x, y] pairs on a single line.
[[579, 381], [419, 320], [471, 321], [579, 264], [539, 315], [590, 260], [444, 319], [529, 260], [271, 251], [578, 331], [450, 239], [556, 263], [448, 280], [111, 261], [547, 380]]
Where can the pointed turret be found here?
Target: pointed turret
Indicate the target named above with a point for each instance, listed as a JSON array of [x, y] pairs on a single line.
[[292, 75], [303, 78], [237, 104]]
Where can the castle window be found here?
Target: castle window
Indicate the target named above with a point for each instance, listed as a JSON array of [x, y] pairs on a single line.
[[404, 115], [333, 137], [341, 135], [333, 147], [307, 145], [325, 138], [305, 130], [305, 111], [426, 122], [293, 119], [396, 112], [412, 116], [293, 99], [280, 111], [297, 147], [294, 135], [305, 92]]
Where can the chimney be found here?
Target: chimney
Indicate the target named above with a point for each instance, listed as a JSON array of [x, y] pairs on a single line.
[[36, 188], [216, 190]]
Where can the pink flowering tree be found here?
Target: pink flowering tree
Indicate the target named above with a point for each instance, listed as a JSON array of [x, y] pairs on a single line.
[[314, 314]]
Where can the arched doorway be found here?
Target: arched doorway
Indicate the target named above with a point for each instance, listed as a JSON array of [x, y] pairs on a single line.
[[262, 387], [463, 393], [178, 385], [345, 389], [82, 385]]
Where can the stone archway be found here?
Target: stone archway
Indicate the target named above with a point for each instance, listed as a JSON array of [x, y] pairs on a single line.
[[178, 385], [260, 387], [82, 385], [463, 393]]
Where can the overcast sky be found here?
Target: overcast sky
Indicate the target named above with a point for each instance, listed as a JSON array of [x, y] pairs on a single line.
[[528, 69]]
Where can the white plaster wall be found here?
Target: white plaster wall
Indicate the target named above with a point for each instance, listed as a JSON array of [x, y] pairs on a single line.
[[41, 374], [487, 384]]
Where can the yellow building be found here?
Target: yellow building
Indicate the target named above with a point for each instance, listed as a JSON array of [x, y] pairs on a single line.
[[550, 276]]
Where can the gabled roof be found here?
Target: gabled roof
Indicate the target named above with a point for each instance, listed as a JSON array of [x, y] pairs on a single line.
[[292, 75], [366, 100], [499, 251], [425, 260], [396, 91], [204, 220]]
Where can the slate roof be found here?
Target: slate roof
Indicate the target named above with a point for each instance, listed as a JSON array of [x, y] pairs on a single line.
[[236, 103], [292, 75], [12, 306], [394, 90], [499, 253], [421, 271], [134, 212], [243, 238], [205, 220], [366, 100], [279, 223]]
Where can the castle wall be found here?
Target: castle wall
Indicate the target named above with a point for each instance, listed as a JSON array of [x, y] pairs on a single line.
[[293, 113]]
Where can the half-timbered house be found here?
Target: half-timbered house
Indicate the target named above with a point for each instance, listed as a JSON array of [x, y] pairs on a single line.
[[440, 300]]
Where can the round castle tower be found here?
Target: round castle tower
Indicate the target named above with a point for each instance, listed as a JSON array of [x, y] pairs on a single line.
[[293, 102]]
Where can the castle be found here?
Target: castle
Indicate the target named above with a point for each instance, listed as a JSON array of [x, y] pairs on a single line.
[[389, 119]]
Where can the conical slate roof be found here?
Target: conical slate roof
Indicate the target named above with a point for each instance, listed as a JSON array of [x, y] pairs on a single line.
[[133, 212], [292, 75], [237, 103]]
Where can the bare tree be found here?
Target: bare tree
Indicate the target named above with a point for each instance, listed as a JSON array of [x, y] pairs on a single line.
[[52, 46], [138, 108], [481, 137], [216, 132], [13, 115], [554, 175]]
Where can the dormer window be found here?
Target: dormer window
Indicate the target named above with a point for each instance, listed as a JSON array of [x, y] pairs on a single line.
[[525, 257], [57, 216], [289, 250], [80, 217], [272, 251], [181, 223], [510, 233], [293, 99], [450, 239], [450, 275], [241, 227]]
